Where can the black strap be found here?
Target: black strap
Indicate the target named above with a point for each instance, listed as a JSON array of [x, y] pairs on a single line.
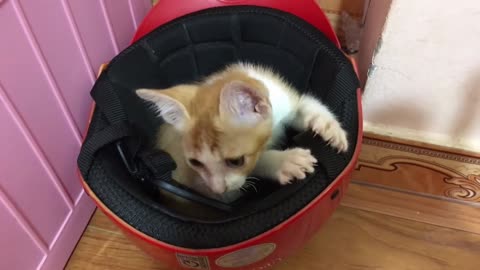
[[98, 140], [141, 164], [146, 165], [106, 98], [115, 129], [158, 163]]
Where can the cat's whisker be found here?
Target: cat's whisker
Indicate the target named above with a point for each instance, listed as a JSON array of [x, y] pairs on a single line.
[[244, 101], [252, 178], [250, 184]]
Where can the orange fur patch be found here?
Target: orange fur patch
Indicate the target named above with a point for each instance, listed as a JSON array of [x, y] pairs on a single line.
[[207, 127]]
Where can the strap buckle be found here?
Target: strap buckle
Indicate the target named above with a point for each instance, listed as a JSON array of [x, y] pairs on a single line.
[[127, 159]]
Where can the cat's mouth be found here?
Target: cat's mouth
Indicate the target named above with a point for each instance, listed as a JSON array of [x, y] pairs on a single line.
[[232, 192], [227, 196]]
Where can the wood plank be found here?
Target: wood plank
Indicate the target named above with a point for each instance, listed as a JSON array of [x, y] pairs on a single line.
[[103, 246], [353, 7], [355, 239], [451, 214], [351, 239], [419, 169]]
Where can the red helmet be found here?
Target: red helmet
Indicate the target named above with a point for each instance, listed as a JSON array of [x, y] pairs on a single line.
[[296, 37]]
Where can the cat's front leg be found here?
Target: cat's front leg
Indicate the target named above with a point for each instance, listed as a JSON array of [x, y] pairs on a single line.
[[285, 166], [312, 114]]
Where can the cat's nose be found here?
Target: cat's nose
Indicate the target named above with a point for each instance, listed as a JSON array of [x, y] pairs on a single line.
[[219, 190], [219, 187]]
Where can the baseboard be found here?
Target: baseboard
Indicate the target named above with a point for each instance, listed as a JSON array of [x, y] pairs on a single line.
[[443, 173], [413, 180], [72, 231], [448, 142]]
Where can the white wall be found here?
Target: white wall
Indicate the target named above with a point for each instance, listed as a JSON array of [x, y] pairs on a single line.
[[424, 83]]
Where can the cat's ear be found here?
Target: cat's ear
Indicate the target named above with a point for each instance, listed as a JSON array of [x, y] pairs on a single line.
[[170, 103], [244, 103]]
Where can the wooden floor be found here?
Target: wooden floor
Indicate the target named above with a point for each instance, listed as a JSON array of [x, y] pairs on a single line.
[[358, 236]]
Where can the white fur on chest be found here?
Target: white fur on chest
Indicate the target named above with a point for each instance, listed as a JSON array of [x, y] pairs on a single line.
[[282, 97]]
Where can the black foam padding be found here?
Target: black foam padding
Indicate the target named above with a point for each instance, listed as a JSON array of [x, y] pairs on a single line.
[[193, 47]]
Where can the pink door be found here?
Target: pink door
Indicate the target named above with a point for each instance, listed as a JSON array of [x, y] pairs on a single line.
[[50, 51]]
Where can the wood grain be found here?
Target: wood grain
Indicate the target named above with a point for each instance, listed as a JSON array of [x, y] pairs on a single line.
[[353, 7], [103, 246], [352, 239], [416, 207], [419, 169], [356, 239], [406, 176]]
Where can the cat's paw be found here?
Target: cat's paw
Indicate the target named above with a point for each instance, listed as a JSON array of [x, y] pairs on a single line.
[[295, 164], [331, 131]]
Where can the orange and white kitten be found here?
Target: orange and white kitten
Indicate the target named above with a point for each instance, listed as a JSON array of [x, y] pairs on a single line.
[[221, 130]]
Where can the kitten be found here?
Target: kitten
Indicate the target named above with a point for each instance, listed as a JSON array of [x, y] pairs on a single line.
[[223, 129]]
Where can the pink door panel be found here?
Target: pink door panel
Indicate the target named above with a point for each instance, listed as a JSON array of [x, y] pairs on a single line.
[[139, 10], [91, 24], [58, 42], [50, 51], [19, 242], [122, 25], [28, 179], [27, 80]]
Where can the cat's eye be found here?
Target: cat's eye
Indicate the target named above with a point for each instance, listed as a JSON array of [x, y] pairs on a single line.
[[235, 162], [195, 162]]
